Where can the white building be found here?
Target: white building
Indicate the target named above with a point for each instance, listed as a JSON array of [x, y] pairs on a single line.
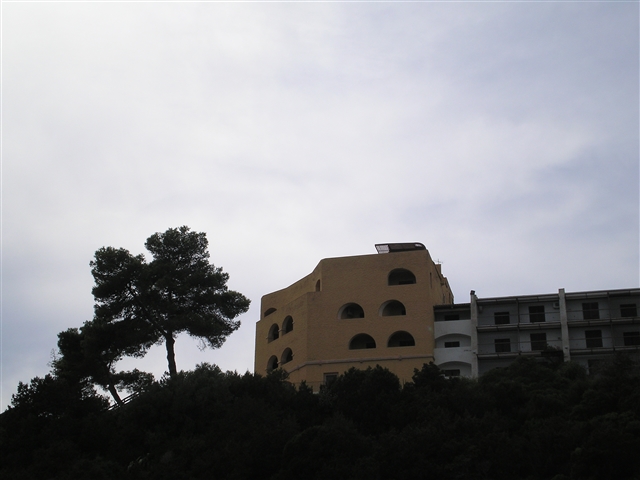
[[584, 327]]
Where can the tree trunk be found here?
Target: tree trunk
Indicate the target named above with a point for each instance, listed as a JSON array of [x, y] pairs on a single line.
[[114, 394], [171, 355]]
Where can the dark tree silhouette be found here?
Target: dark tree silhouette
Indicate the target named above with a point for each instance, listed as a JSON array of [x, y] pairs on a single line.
[[91, 352], [565, 425], [178, 291]]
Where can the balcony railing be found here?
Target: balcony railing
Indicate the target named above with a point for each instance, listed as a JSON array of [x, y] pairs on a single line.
[[579, 345]]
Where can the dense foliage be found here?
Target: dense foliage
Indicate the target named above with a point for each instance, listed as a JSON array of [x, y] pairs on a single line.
[[140, 303], [532, 420]]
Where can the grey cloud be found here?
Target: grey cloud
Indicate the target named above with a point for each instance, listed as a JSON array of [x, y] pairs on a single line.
[[503, 136]]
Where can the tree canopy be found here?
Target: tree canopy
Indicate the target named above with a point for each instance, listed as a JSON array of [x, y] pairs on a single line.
[[177, 291], [530, 421], [91, 352]]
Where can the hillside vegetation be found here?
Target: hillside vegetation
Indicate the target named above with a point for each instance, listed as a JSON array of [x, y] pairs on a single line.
[[532, 420]]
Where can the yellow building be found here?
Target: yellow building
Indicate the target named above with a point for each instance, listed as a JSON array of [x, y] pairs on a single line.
[[358, 312]]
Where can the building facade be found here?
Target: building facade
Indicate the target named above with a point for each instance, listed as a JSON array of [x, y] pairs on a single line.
[[356, 311], [395, 309], [584, 327]]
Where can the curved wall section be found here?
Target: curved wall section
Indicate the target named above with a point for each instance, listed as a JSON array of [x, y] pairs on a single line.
[[446, 355], [462, 327], [456, 369]]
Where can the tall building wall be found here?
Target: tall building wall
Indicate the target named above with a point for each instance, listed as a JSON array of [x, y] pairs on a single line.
[[356, 311]]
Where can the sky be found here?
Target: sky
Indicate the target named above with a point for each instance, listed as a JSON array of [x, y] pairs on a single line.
[[502, 135]]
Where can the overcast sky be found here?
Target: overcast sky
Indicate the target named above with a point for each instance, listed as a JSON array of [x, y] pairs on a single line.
[[502, 135]]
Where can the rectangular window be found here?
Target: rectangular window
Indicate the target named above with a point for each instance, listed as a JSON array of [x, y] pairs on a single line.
[[591, 311], [452, 316], [628, 310], [594, 338], [451, 344], [503, 345], [538, 341], [631, 338], [330, 377], [501, 318], [536, 314]]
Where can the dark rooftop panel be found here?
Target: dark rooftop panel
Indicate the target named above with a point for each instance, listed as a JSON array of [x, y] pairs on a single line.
[[398, 247]]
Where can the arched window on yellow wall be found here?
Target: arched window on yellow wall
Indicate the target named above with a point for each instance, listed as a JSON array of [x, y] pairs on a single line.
[[350, 310], [269, 311], [392, 308], [401, 276], [362, 341], [287, 325], [287, 356], [272, 364], [274, 333], [401, 339]]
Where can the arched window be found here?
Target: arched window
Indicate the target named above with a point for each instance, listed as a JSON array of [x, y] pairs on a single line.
[[287, 356], [272, 364], [287, 325], [274, 332], [392, 308], [351, 310], [401, 339], [361, 341], [401, 276], [318, 286], [269, 311]]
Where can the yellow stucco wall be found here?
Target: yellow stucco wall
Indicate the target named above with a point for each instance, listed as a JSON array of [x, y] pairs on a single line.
[[320, 339]]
